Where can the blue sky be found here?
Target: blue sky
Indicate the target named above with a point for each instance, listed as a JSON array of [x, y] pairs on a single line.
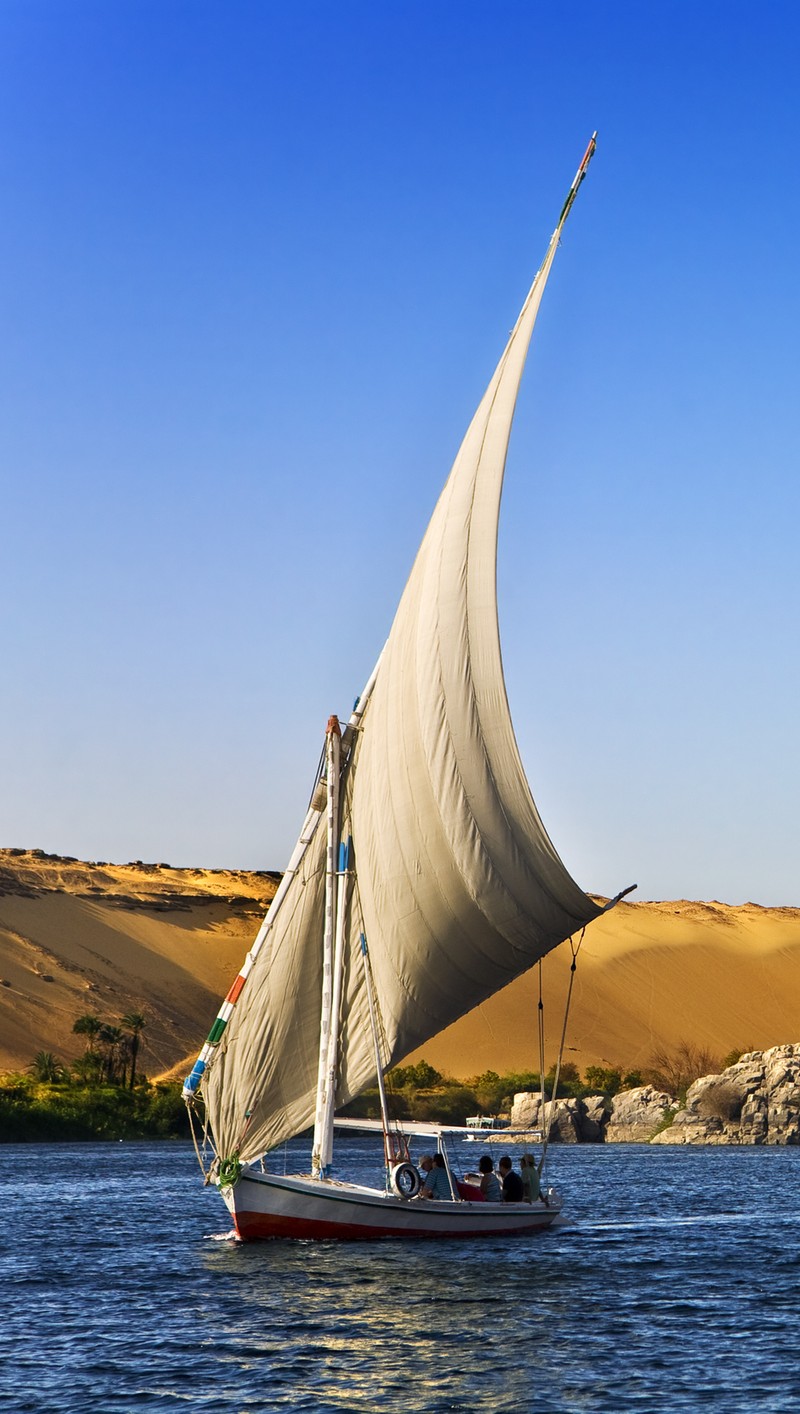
[[257, 263]]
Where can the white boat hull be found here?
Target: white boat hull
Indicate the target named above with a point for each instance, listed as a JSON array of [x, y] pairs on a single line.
[[268, 1206]]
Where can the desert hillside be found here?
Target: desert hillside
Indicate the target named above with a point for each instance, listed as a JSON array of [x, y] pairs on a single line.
[[649, 975], [113, 938]]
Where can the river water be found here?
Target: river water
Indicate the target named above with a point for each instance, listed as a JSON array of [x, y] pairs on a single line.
[[671, 1285]]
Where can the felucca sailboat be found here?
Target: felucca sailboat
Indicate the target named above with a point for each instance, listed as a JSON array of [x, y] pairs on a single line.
[[423, 881]]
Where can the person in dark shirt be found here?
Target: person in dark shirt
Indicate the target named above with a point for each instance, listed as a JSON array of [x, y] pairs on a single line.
[[511, 1181]]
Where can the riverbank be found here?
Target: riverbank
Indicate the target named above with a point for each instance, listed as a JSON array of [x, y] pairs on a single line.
[[35, 1113], [754, 1101]]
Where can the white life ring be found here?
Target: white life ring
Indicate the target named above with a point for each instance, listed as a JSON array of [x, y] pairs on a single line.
[[405, 1180]]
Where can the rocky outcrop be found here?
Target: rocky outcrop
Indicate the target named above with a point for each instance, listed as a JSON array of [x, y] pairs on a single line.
[[755, 1101], [594, 1118], [569, 1121], [636, 1115], [561, 1117], [632, 1117]]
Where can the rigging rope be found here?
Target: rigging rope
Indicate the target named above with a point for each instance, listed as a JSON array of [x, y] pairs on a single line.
[[541, 1049], [190, 1112], [548, 1108], [229, 1172], [383, 1048], [318, 775]]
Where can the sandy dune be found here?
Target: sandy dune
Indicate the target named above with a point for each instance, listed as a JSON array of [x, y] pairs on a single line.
[[108, 938], [649, 975]]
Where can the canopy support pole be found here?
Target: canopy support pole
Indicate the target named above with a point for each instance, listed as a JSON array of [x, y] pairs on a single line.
[[373, 1021]]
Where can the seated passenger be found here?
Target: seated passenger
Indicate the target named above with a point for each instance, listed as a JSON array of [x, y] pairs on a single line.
[[531, 1191], [512, 1183], [437, 1183], [490, 1188]]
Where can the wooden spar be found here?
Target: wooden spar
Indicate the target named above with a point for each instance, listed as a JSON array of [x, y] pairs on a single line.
[[579, 176], [612, 902], [333, 742]]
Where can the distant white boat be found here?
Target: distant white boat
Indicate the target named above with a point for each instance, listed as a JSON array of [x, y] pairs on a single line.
[[423, 881], [484, 1123]]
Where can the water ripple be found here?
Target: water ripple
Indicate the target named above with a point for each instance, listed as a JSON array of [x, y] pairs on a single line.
[[670, 1286]]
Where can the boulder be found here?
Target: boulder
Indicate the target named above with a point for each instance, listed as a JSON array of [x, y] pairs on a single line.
[[594, 1119], [525, 1110], [570, 1121], [636, 1114], [564, 1117], [565, 1121], [755, 1101], [782, 1086]]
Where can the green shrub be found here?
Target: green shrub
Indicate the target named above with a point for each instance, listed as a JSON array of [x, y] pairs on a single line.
[[602, 1081], [664, 1123], [74, 1112], [449, 1106], [414, 1077]]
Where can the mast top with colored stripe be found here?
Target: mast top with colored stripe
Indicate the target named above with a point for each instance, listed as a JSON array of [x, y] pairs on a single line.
[[579, 176]]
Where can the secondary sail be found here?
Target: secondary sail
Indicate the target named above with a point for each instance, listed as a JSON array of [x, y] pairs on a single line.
[[458, 886]]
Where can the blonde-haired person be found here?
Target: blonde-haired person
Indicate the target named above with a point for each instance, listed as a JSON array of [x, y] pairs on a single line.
[[531, 1190]]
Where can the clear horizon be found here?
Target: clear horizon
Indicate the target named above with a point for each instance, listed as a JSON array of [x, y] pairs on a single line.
[[257, 268]]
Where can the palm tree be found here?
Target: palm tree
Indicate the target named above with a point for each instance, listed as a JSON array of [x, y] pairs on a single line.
[[88, 1068], [134, 1022], [89, 1026], [112, 1039], [46, 1067]]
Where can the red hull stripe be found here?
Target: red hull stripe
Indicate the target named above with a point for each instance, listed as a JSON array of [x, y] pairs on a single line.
[[268, 1225]]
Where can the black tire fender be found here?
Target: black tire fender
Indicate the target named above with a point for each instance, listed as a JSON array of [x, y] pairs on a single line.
[[405, 1180]]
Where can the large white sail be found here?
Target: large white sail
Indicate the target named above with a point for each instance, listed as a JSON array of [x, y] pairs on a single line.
[[458, 887]]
